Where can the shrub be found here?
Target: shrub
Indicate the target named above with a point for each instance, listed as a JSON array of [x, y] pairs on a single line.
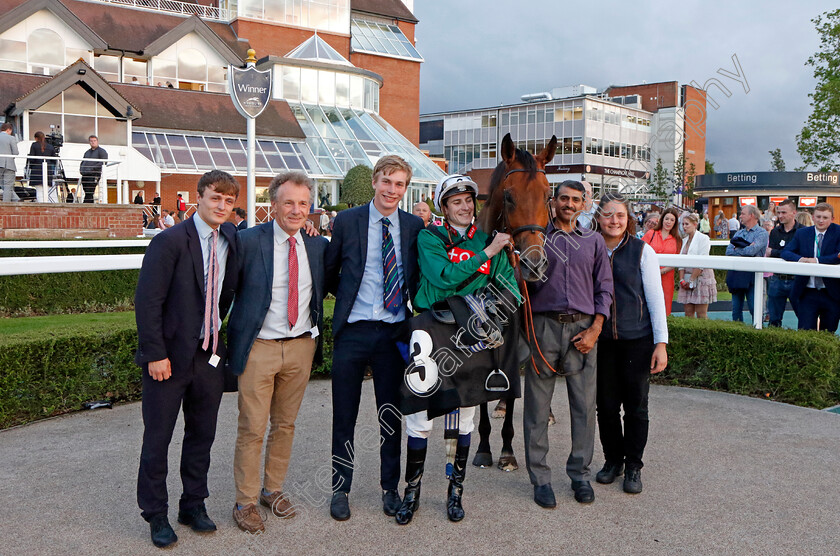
[[49, 375], [792, 366], [56, 370], [356, 187]]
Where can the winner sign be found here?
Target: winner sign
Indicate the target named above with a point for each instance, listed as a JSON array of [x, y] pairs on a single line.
[[250, 90]]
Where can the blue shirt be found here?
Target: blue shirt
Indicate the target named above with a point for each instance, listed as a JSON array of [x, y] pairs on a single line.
[[758, 238], [370, 303], [204, 234]]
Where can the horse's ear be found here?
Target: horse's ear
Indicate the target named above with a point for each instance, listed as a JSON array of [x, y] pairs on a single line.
[[547, 153], [508, 149]]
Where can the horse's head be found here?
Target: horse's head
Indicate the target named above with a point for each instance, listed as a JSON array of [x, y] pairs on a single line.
[[518, 204]]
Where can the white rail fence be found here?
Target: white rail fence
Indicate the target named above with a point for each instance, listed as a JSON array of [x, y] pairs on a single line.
[[10, 266]]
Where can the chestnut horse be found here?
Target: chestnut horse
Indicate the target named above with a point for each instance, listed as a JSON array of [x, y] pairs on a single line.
[[517, 205]]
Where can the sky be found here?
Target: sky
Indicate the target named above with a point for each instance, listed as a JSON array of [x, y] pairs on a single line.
[[481, 53]]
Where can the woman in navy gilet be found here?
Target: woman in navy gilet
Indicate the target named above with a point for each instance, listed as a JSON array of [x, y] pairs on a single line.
[[631, 345]]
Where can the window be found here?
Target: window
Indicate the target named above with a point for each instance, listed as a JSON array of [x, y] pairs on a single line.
[[77, 114], [12, 55], [379, 38], [45, 51], [134, 71], [327, 15]]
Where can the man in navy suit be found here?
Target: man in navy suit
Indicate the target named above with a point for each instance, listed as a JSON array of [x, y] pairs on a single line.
[[371, 266], [274, 332], [818, 297], [183, 293]]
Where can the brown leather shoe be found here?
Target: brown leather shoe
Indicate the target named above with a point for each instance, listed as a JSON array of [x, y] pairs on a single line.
[[248, 518], [279, 504]]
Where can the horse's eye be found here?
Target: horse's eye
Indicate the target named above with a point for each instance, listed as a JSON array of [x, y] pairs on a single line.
[[509, 198]]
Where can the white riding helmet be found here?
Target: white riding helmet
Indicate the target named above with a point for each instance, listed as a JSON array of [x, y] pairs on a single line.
[[452, 185]]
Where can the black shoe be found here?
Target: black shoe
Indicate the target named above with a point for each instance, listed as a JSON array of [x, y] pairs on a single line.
[[162, 533], [633, 481], [454, 509], [414, 464], [609, 472], [391, 501], [544, 496], [583, 492], [340, 507], [197, 519]]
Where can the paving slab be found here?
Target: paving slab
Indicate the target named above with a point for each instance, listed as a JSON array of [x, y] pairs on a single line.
[[724, 474]]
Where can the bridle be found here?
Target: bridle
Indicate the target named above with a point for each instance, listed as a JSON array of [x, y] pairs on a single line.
[[533, 228]]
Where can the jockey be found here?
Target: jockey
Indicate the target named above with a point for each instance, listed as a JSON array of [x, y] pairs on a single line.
[[455, 258]]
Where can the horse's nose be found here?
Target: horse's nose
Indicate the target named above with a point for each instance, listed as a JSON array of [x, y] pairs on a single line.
[[534, 264]]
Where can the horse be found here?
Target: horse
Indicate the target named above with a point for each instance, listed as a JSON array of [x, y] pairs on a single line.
[[517, 205]]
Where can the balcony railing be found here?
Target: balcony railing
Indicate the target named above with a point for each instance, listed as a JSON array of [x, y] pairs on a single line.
[[174, 6]]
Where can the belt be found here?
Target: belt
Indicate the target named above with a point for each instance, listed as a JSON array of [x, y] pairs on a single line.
[[299, 336], [563, 317], [785, 276]]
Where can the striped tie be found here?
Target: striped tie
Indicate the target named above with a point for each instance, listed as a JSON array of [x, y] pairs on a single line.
[[392, 293], [211, 289]]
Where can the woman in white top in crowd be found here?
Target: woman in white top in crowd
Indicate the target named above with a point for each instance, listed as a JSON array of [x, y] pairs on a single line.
[[631, 345], [698, 286]]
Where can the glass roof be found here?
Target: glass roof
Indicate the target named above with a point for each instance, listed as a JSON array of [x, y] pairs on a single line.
[[315, 48], [336, 140], [378, 38]]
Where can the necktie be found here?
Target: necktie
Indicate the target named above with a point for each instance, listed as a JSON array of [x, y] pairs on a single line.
[[293, 284], [818, 281], [211, 287], [392, 294]]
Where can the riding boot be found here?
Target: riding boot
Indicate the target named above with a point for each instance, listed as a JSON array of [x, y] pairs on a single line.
[[415, 462], [454, 510]]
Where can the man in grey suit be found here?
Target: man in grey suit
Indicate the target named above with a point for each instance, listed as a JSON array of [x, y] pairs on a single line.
[[8, 145], [275, 331]]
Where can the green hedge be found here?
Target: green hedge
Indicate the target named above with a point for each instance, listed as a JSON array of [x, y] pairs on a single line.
[[71, 292], [792, 366], [56, 369]]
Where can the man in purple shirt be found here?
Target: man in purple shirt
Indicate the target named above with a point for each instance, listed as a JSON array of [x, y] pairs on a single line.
[[569, 308]]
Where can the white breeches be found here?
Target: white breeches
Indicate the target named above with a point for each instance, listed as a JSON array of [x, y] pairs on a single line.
[[419, 425]]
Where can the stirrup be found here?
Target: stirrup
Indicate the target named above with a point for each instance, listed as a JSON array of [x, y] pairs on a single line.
[[496, 372]]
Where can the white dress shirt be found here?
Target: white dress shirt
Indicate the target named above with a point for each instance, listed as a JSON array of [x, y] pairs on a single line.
[[276, 323], [370, 303], [814, 281], [204, 234]]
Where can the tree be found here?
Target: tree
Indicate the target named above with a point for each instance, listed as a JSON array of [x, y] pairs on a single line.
[[819, 141], [658, 181], [689, 182], [710, 168], [356, 187], [777, 163], [679, 171]]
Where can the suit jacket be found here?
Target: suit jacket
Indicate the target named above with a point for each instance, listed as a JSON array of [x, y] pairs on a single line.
[[347, 253], [253, 294], [802, 245], [8, 145], [169, 301], [244, 226]]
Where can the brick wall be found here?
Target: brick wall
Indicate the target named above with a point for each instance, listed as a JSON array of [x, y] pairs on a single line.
[[67, 221], [399, 97], [278, 40]]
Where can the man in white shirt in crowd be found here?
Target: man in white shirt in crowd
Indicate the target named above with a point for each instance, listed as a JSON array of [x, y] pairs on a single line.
[[165, 220]]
